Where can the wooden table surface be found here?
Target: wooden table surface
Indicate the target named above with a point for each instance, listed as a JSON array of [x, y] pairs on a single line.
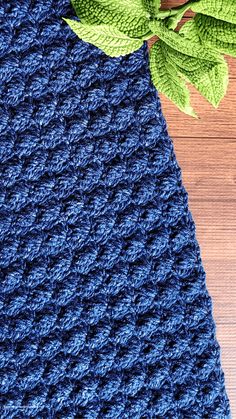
[[206, 152]]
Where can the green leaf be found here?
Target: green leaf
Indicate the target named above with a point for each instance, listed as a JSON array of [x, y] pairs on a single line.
[[204, 68], [110, 40], [216, 33], [189, 31], [166, 79], [182, 44], [129, 16], [152, 6], [219, 9], [209, 78]]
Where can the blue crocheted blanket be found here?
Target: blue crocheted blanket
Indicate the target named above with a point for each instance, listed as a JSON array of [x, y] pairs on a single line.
[[104, 308]]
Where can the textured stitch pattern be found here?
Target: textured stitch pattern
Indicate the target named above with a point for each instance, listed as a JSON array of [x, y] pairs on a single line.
[[104, 311]]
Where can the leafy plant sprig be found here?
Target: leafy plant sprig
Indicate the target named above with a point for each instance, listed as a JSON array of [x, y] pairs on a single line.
[[194, 54]]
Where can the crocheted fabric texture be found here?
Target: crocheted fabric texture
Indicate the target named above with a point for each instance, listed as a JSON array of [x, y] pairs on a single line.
[[104, 309]]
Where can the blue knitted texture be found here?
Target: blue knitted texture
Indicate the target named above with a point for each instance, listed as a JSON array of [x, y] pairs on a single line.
[[104, 311]]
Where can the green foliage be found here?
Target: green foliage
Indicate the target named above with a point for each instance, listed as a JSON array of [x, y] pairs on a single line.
[[189, 60], [129, 16], [210, 78], [220, 9], [193, 55], [182, 44], [112, 41], [216, 34], [204, 68], [152, 6], [165, 76]]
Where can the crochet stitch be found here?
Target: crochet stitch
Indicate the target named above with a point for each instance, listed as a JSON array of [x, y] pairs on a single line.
[[104, 308]]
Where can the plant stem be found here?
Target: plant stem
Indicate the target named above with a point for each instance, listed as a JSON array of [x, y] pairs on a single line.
[[157, 7], [163, 14]]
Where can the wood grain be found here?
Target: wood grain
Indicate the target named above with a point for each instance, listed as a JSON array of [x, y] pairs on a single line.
[[206, 152]]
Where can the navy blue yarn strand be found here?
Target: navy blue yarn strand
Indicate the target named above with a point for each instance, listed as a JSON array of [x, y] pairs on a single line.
[[104, 311]]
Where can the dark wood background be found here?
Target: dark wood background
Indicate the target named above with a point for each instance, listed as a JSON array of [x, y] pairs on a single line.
[[206, 152]]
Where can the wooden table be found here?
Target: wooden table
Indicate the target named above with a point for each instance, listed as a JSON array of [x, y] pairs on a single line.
[[206, 152]]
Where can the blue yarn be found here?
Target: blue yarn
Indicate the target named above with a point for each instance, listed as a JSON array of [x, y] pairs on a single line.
[[104, 308]]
